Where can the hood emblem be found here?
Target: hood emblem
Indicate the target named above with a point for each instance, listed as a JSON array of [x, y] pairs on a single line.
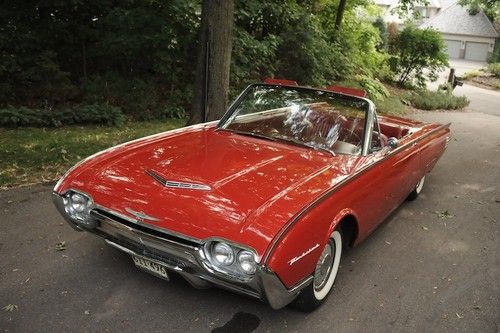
[[141, 216], [176, 184]]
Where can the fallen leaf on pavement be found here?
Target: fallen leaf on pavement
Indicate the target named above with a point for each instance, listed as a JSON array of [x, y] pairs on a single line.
[[444, 215], [61, 246], [9, 307]]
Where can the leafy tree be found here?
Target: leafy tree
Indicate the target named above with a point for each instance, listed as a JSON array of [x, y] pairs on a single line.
[[392, 35], [490, 7], [418, 54], [384, 35], [140, 55]]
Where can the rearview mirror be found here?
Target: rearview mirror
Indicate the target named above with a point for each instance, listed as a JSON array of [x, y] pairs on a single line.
[[392, 142]]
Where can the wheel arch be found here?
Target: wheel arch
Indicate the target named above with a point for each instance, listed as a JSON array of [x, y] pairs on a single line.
[[348, 223], [297, 252]]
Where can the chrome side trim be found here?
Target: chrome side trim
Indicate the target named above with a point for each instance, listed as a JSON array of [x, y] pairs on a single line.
[[328, 192]]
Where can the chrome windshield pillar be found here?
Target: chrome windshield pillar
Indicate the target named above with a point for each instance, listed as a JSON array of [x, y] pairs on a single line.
[[370, 120]]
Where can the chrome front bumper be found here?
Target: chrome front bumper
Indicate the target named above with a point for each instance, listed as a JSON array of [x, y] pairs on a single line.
[[182, 255]]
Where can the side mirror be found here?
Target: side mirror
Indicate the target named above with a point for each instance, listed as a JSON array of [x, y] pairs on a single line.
[[392, 142]]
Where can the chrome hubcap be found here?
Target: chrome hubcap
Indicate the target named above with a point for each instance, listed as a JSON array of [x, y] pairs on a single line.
[[324, 266]]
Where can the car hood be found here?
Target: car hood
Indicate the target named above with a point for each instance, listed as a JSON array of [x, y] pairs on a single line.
[[205, 183]]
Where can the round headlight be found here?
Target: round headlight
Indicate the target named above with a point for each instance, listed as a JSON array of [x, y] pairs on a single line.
[[78, 206], [78, 202], [246, 260], [223, 254]]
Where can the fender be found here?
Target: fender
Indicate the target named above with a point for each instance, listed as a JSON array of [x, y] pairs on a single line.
[[340, 216]]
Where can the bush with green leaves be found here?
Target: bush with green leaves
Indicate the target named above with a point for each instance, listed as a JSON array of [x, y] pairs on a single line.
[[437, 100], [419, 54], [495, 56], [85, 114], [392, 105], [375, 89], [494, 69], [384, 35]]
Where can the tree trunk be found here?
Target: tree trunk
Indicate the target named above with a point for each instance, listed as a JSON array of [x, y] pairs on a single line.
[[84, 60], [214, 57], [340, 15]]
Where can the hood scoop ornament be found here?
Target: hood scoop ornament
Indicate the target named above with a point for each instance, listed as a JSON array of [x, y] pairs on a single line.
[[176, 184]]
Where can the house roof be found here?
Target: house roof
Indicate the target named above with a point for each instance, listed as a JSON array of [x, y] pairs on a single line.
[[447, 3], [456, 20], [394, 3]]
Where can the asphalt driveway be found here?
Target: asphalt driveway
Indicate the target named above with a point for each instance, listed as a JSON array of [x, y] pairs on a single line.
[[432, 266]]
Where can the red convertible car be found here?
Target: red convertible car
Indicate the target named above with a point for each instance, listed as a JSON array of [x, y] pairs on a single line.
[[261, 202]]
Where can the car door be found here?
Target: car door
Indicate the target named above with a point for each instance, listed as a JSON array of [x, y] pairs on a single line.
[[387, 177]]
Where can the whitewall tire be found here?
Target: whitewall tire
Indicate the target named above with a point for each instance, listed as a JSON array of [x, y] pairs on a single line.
[[324, 276]]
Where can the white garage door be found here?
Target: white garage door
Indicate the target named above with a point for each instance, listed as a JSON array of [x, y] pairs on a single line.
[[453, 47], [476, 51]]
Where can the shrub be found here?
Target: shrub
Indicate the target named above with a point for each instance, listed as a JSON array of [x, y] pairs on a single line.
[[141, 99], [392, 105], [495, 56], [375, 89], [20, 117], [494, 69], [471, 74], [434, 100], [136, 97], [417, 52], [99, 114], [34, 78]]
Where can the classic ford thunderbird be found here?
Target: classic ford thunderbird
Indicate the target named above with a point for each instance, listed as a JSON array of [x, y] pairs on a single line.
[[262, 202]]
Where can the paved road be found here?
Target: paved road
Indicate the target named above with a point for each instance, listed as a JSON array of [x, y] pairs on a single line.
[[417, 273]]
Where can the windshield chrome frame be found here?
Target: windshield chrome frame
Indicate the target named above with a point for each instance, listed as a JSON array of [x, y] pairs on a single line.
[[369, 118]]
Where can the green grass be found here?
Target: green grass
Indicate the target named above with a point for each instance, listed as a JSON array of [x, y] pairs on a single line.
[[32, 155]]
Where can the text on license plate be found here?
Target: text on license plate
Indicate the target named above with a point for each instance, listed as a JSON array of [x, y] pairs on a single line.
[[151, 267]]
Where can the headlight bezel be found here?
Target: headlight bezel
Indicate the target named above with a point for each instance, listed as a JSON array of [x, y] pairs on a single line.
[[234, 270], [79, 216]]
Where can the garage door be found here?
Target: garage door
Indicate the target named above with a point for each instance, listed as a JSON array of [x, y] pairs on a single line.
[[453, 47], [476, 51]]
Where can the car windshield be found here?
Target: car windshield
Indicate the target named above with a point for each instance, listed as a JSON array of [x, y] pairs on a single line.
[[317, 119]]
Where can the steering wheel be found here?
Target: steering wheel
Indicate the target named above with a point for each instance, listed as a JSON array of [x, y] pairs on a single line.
[[348, 136]]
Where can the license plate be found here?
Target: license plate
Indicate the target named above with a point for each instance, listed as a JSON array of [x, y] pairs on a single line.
[[151, 267]]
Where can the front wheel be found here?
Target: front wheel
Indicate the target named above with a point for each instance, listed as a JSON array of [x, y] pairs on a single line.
[[416, 191], [324, 275]]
